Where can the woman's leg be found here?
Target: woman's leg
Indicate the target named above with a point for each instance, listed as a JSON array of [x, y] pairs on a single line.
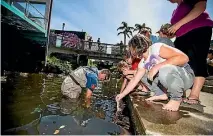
[[142, 87], [196, 46], [176, 80], [153, 86], [201, 52]]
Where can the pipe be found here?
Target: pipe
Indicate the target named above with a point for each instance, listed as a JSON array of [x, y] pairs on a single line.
[[48, 32]]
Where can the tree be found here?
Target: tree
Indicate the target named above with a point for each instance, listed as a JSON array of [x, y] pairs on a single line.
[[138, 27], [125, 30]]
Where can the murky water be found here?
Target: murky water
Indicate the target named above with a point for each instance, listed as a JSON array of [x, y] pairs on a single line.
[[33, 104]]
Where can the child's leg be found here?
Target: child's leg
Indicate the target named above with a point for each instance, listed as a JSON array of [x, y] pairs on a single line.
[[176, 80]]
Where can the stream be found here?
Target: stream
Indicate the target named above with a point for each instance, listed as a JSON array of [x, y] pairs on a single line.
[[33, 104]]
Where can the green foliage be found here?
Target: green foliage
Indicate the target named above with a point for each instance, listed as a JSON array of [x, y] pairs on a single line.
[[91, 63], [113, 68], [64, 66]]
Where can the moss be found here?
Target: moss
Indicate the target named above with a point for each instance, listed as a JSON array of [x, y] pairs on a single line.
[[63, 66], [91, 63]]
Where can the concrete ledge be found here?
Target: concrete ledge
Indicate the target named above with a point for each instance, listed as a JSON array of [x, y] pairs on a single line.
[[135, 117], [208, 86], [149, 117]]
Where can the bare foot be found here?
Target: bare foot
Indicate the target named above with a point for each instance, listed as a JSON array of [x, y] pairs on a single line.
[[172, 105], [142, 88], [158, 98], [145, 89]]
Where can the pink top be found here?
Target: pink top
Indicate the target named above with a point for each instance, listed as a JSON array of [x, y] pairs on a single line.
[[181, 11]]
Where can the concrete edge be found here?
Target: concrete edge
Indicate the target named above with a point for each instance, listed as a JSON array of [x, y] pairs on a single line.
[[137, 122]]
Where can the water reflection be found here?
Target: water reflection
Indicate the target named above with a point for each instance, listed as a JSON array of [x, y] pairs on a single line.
[[33, 104]]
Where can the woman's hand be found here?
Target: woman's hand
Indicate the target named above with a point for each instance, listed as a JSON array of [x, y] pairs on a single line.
[[173, 29], [153, 71], [197, 10], [119, 97]]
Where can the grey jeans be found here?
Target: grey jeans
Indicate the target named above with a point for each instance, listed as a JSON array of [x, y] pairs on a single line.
[[174, 78]]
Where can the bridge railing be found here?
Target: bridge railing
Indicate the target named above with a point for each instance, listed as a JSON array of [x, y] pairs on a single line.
[[31, 11], [73, 42]]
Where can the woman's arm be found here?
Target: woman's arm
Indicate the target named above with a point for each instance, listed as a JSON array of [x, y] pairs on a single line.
[[197, 10], [123, 85], [132, 84], [173, 56]]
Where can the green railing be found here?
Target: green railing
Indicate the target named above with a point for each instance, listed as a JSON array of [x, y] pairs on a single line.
[[28, 12]]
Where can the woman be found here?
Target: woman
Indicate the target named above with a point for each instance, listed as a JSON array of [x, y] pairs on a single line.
[[164, 64], [193, 29]]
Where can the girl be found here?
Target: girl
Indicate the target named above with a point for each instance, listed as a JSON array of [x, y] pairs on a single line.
[[130, 71], [164, 64]]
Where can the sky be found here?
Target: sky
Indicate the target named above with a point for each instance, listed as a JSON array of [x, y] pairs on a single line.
[[101, 18]]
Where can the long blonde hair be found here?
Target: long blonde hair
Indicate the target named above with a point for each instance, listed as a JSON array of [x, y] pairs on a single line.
[[140, 43]]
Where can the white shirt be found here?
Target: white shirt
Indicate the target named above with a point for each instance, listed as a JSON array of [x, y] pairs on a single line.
[[153, 57]]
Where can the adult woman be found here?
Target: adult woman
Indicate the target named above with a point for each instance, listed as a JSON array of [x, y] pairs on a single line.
[[164, 64], [193, 29]]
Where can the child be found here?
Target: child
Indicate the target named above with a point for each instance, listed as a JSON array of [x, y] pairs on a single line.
[[132, 64], [164, 64], [124, 67], [83, 77], [164, 36], [134, 60]]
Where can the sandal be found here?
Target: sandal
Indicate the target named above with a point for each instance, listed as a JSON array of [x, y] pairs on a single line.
[[196, 101]]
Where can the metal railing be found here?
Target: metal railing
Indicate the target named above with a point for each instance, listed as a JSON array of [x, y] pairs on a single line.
[[30, 11], [77, 44]]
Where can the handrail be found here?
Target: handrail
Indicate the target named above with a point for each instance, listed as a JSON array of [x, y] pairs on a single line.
[[29, 14], [87, 46], [35, 9], [73, 42]]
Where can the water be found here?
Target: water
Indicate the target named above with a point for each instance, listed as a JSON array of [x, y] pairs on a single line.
[[33, 104]]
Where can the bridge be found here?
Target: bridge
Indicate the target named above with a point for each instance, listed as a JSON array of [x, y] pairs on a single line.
[[71, 42], [25, 28], [26, 34], [26, 17]]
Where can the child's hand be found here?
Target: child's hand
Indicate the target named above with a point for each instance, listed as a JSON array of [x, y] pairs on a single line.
[[129, 77], [153, 71], [125, 72], [174, 28]]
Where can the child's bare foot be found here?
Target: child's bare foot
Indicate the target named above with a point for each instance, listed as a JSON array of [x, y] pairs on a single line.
[[172, 105], [142, 88], [158, 98]]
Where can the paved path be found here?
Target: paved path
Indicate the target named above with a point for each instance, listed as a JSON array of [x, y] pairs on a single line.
[[151, 119]]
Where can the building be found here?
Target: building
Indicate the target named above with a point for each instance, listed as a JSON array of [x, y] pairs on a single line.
[[25, 26]]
